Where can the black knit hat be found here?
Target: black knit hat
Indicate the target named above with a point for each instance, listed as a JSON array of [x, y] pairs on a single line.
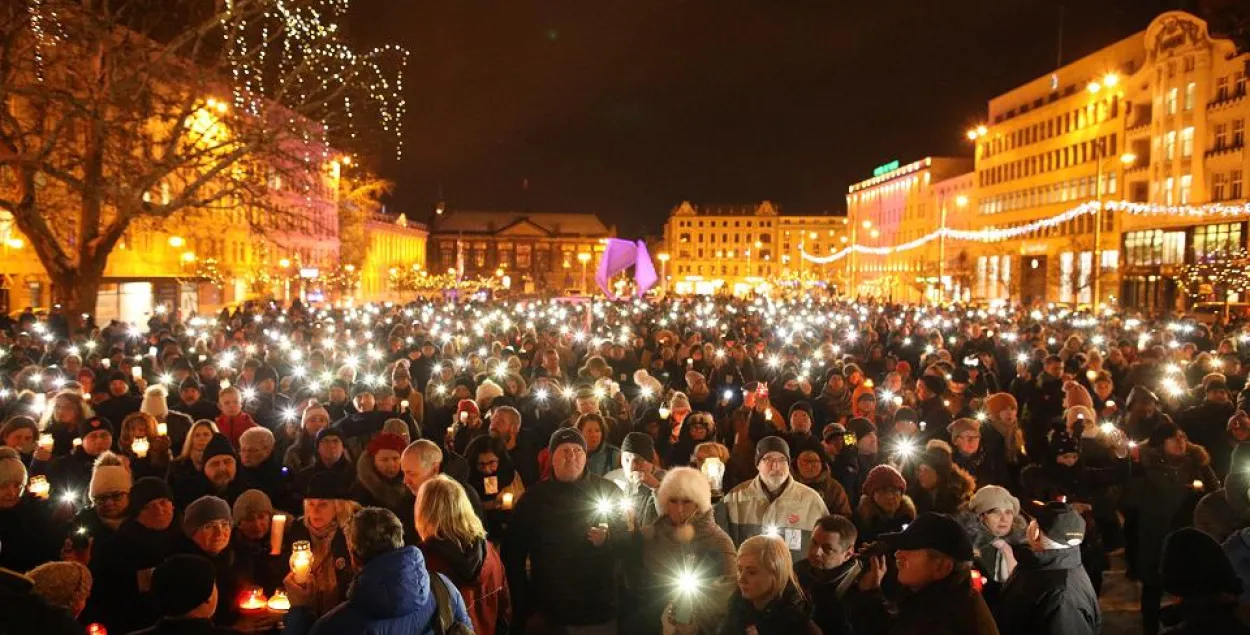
[[1062, 442], [906, 414], [93, 424], [146, 490], [266, 372], [330, 431], [639, 443], [217, 446], [190, 383], [1195, 565], [935, 384], [563, 436], [117, 375], [183, 582], [771, 444], [800, 405], [1163, 432], [860, 427]]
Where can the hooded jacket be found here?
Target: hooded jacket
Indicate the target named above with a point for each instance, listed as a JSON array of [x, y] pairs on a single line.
[[390, 596], [479, 575], [985, 556], [1048, 594]]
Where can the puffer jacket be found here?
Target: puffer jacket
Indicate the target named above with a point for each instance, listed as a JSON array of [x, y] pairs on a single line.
[[747, 511], [479, 575], [1048, 594], [390, 596]]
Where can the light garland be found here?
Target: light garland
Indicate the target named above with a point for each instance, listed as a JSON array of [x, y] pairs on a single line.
[[1218, 210]]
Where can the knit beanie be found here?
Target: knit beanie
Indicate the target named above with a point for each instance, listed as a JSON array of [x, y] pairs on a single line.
[[639, 443], [266, 372], [94, 424], [1063, 443], [935, 384], [11, 468], [217, 446], [386, 441], [330, 431], [937, 455], [1194, 564], [963, 426], [183, 582], [467, 405], [1000, 401], [154, 401], [251, 503], [906, 414], [1075, 394], [563, 436], [679, 401], [993, 497], [109, 479], [397, 427], [860, 427], [62, 584], [146, 490], [800, 406], [1163, 432], [204, 510], [884, 477], [771, 444]]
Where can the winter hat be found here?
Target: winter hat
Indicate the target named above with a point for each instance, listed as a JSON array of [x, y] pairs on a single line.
[[771, 444], [251, 503], [1140, 393], [11, 468], [993, 497], [62, 584], [1079, 413], [266, 372], [109, 476], [1163, 432], [397, 427], [488, 390], [678, 401], [860, 427], [386, 441], [1194, 564], [937, 455], [217, 446], [146, 490], [117, 375], [850, 369], [1000, 401], [906, 414], [467, 405], [204, 510], [962, 426], [800, 406], [190, 383], [935, 384], [330, 431], [1075, 394], [903, 368], [884, 477], [154, 401], [563, 436], [183, 582], [325, 485], [93, 424], [1063, 443], [639, 443], [1060, 523], [938, 532]]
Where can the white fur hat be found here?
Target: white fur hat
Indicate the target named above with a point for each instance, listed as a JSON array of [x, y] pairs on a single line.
[[684, 482], [110, 478], [488, 390], [154, 401]]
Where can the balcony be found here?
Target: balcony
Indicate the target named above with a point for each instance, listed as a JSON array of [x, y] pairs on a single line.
[[1226, 99], [1221, 152]]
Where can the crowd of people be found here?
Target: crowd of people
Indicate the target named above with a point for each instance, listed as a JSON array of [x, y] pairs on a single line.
[[682, 466]]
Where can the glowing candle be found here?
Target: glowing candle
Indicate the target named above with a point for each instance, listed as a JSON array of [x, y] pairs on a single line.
[[77, 442], [39, 487], [277, 528], [301, 561], [714, 470], [254, 603], [140, 447], [162, 429], [1197, 484], [46, 442], [279, 602], [136, 372], [507, 500]]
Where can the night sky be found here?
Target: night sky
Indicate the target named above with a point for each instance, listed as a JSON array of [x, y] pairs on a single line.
[[626, 107]]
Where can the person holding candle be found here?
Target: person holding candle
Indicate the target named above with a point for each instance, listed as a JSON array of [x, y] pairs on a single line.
[[22, 434], [178, 425], [252, 515], [186, 591], [494, 479], [327, 509], [27, 538], [72, 472], [207, 524], [122, 400], [768, 600], [454, 544], [571, 530], [63, 418], [147, 452], [522, 447]]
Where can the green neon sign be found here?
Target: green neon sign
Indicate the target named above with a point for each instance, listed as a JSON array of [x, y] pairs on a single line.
[[889, 167]]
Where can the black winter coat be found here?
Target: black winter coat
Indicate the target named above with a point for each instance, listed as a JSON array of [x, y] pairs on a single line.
[[24, 613], [789, 614], [1048, 594], [1202, 616], [827, 590], [116, 600], [28, 537], [947, 607]]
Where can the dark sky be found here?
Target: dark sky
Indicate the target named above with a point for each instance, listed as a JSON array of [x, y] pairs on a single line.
[[626, 107]]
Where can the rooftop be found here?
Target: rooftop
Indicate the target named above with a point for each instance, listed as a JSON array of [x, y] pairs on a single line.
[[491, 222]]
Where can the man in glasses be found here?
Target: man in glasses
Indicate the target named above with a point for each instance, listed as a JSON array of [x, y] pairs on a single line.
[[109, 497], [772, 503]]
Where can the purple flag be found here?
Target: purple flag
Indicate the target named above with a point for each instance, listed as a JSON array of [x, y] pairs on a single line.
[[620, 255], [644, 270]]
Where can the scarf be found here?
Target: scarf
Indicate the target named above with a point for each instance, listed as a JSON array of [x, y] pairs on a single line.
[[1013, 438]]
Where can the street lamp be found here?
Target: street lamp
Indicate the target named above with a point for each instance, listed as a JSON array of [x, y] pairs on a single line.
[[583, 257], [663, 256], [176, 241]]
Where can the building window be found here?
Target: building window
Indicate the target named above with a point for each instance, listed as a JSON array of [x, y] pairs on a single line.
[[1174, 248], [479, 255], [1186, 183], [683, 238], [1187, 142], [1221, 136], [1219, 186], [1239, 132], [523, 253], [1214, 239], [1171, 101], [503, 251], [1189, 63], [1221, 89], [1191, 93], [1143, 248], [1239, 83], [1234, 185], [1169, 186], [1169, 145]]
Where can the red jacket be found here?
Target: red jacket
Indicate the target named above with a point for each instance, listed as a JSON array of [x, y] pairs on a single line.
[[479, 575], [233, 427]]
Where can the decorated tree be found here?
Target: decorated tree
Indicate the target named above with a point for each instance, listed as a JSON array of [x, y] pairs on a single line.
[[1218, 274], [139, 113]]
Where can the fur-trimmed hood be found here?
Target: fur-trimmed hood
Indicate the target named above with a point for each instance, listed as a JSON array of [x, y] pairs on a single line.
[[1195, 455], [868, 511]]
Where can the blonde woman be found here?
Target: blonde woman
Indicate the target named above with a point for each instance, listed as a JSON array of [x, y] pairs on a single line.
[[452, 541], [768, 601], [62, 416], [155, 460], [185, 471]]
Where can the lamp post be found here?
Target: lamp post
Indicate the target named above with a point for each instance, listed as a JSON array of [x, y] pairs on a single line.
[[1100, 154], [663, 256], [583, 257]]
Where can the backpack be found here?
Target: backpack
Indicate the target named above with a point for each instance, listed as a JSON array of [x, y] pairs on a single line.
[[445, 622]]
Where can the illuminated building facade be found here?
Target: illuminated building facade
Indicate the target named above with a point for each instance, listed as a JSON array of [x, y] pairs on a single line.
[[900, 204], [740, 248], [538, 252], [391, 242]]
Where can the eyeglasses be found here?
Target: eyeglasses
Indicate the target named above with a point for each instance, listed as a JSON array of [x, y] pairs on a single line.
[[774, 460], [485, 464]]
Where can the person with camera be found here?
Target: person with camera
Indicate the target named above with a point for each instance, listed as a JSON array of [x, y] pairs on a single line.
[[933, 557]]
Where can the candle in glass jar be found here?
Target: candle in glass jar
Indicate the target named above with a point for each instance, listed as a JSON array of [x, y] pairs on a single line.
[[714, 470], [46, 442], [77, 442], [39, 487], [507, 500], [253, 603], [279, 603], [277, 529], [1197, 484], [403, 405], [301, 561], [140, 447], [162, 429], [136, 372]]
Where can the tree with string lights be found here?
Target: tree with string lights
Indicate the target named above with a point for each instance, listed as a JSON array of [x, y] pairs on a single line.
[[152, 113], [1217, 274]]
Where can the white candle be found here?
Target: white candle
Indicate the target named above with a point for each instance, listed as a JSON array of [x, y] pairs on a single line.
[[162, 429], [301, 561], [140, 447], [277, 529], [136, 372], [507, 500]]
